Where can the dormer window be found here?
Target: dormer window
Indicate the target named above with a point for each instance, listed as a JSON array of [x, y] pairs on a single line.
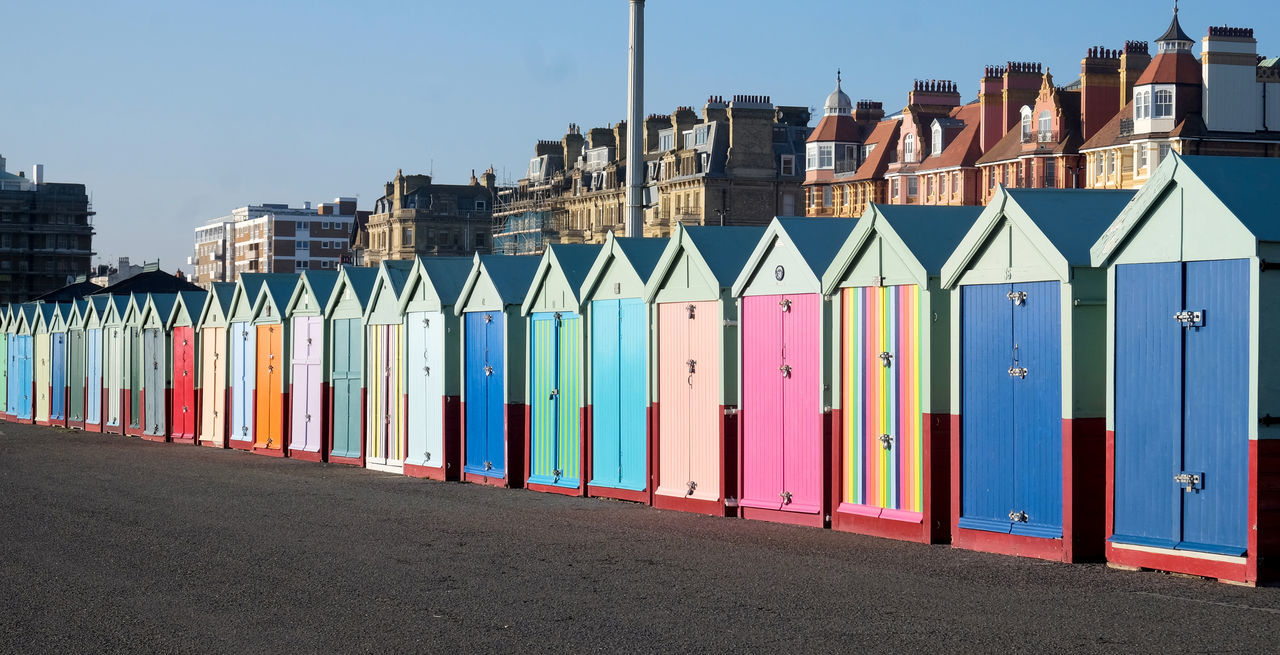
[[1162, 104], [909, 148], [1026, 124], [1045, 129], [937, 139]]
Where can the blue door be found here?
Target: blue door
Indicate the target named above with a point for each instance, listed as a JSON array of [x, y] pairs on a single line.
[[93, 382], [58, 376], [243, 374], [1216, 411], [1182, 444], [619, 346], [11, 375], [486, 445], [986, 349], [24, 377], [1037, 411], [1148, 403]]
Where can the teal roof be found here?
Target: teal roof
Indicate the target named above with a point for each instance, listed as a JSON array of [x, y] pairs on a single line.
[[931, 233], [321, 284], [1238, 182], [361, 280], [121, 304], [725, 249], [511, 274], [576, 260], [447, 275], [1072, 219], [46, 312], [280, 286], [222, 293], [164, 304], [398, 273], [194, 302], [252, 283], [818, 239], [99, 304], [642, 253]]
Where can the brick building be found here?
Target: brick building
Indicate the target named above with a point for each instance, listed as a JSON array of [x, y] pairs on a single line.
[[46, 238], [274, 238], [417, 217]]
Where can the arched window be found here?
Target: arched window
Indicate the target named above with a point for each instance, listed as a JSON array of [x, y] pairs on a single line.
[[1046, 125], [1140, 107], [1026, 124], [1162, 107], [937, 139], [909, 148]]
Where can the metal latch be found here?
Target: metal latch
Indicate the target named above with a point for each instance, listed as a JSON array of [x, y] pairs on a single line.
[[886, 359], [1190, 318], [692, 485], [693, 364], [488, 318], [690, 309], [555, 474], [1190, 482], [488, 466], [555, 392], [426, 456], [1018, 517], [488, 370], [786, 370], [1018, 297], [785, 304], [886, 442], [786, 497], [1018, 372]]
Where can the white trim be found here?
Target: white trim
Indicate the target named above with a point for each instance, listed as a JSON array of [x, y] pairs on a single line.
[[1213, 557]]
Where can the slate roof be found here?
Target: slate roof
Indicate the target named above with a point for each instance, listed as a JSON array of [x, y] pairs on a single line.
[[321, 284], [361, 279], [725, 249], [576, 260], [150, 282], [398, 273], [69, 293], [164, 304], [223, 291], [193, 301], [964, 149], [885, 139]]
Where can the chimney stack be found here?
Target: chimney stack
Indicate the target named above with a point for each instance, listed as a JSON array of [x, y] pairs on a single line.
[[37, 174], [1229, 68], [1133, 61], [1099, 89], [1022, 80]]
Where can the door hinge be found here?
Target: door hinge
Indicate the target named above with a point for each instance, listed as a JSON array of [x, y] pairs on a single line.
[[1190, 482], [1018, 297], [1188, 318], [1018, 517]]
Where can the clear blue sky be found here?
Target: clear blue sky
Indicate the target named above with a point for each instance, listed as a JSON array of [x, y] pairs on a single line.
[[175, 111]]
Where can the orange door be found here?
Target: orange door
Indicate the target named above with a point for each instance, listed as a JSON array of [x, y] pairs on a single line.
[[269, 400]]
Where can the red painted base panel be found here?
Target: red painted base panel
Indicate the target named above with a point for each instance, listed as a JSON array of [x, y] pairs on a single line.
[[780, 516], [157, 438], [641, 496], [552, 489], [347, 461], [237, 444], [1174, 563], [476, 478], [306, 455], [426, 472], [692, 505]]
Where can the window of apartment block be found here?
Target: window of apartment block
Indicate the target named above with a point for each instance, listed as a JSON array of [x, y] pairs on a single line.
[[480, 238], [481, 205], [937, 139], [1162, 106], [303, 245], [324, 264], [1026, 124], [826, 196], [928, 186], [811, 156], [1045, 128], [788, 165], [302, 264], [302, 225], [896, 187], [826, 155], [325, 225], [1140, 106]]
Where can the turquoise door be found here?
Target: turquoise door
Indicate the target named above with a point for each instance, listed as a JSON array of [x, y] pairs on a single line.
[[348, 393]]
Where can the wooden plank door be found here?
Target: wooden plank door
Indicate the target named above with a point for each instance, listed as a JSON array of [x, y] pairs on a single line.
[[184, 381], [153, 384], [424, 385], [495, 325], [58, 375], [762, 402], [76, 375], [675, 381], [348, 391], [134, 376], [987, 439], [93, 376], [269, 406], [244, 346], [307, 360], [1037, 410], [801, 401], [213, 385], [42, 377]]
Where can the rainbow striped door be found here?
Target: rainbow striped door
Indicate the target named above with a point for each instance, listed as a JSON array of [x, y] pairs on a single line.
[[883, 424]]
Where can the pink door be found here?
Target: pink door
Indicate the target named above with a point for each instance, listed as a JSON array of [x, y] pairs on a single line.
[[802, 452], [689, 451], [761, 413]]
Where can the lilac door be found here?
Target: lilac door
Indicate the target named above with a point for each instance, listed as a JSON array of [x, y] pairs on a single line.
[[308, 353], [782, 462]]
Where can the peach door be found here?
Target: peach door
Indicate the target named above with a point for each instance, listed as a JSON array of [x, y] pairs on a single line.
[[269, 400], [706, 451], [213, 385], [674, 381], [690, 450]]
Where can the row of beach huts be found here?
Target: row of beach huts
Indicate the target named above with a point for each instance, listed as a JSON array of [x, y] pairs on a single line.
[[1063, 374]]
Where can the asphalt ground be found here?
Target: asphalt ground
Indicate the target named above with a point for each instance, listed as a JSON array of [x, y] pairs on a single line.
[[110, 543]]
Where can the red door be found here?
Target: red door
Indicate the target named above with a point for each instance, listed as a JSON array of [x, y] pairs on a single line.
[[183, 421]]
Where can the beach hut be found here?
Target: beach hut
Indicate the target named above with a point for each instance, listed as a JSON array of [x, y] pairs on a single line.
[[94, 311], [696, 345], [184, 408], [555, 396], [344, 315], [157, 372], [493, 338], [76, 374], [58, 360], [21, 373], [384, 369], [432, 379], [890, 416], [43, 361], [617, 424], [784, 367], [5, 317], [1027, 318], [271, 380], [308, 365], [115, 366], [135, 364], [212, 328], [242, 340], [1193, 442]]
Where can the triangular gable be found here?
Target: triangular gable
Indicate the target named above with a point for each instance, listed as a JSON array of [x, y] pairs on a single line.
[[384, 303], [1031, 235], [622, 267], [133, 310], [434, 284], [157, 310], [6, 317], [791, 255], [95, 311], [558, 281], [273, 297], [216, 305], [495, 282], [248, 286], [688, 272], [24, 319], [76, 315], [311, 293], [43, 317], [351, 293], [1194, 208], [898, 244], [58, 323], [187, 309]]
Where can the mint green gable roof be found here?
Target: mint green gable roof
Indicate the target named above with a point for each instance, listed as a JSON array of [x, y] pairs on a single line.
[[223, 291], [1060, 225], [322, 284], [398, 273], [447, 275], [931, 233], [1236, 181], [815, 241], [643, 253], [725, 249], [98, 307], [277, 288], [574, 262], [162, 304], [510, 276], [360, 280], [189, 302]]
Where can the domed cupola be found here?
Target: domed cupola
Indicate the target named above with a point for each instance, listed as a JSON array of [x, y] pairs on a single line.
[[838, 103]]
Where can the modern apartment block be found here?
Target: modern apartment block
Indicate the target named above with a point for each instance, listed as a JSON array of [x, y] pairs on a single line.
[[274, 238], [46, 239]]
